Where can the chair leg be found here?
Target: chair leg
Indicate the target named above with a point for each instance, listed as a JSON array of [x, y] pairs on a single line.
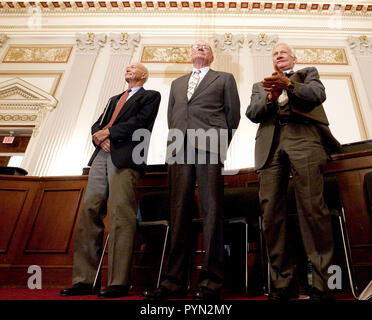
[[100, 263], [162, 256], [266, 287], [246, 257], [346, 245]]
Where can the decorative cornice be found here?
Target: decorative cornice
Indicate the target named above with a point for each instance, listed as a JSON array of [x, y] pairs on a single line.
[[296, 7], [23, 103], [123, 42], [90, 43], [262, 43], [360, 45], [228, 42], [18, 117]]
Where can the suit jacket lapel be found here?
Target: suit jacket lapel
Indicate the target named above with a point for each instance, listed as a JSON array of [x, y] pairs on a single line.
[[207, 80]]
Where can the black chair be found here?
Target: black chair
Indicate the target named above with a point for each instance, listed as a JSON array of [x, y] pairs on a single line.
[[241, 206], [153, 212], [333, 199], [368, 185]]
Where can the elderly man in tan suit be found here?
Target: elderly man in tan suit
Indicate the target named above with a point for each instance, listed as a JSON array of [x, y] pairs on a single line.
[[293, 138], [201, 100]]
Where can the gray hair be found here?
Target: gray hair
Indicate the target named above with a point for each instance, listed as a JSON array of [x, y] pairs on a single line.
[[291, 51]]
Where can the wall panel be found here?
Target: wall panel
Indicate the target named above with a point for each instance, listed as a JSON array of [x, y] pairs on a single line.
[[11, 204], [54, 222]]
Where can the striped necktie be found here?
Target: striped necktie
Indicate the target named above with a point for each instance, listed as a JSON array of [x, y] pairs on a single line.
[[193, 83]]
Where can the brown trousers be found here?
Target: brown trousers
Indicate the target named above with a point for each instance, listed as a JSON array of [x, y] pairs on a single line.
[[296, 149]]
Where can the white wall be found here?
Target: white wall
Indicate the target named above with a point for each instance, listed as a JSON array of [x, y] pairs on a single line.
[[347, 105]]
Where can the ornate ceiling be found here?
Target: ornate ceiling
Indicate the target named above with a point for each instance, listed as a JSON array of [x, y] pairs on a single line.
[[320, 7]]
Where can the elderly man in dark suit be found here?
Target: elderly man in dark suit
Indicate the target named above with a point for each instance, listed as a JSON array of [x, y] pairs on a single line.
[[112, 178], [202, 102], [293, 138]]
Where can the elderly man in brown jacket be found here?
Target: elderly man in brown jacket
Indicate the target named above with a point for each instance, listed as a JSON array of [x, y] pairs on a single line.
[[293, 138]]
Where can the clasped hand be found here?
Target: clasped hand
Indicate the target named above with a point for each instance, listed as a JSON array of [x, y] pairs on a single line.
[[275, 83], [100, 138]]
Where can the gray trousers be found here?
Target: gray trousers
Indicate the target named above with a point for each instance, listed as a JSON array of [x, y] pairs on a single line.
[[115, 187], [296, 149]]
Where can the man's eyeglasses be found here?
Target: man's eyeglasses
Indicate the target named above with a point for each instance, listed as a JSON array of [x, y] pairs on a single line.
[[197, 47]]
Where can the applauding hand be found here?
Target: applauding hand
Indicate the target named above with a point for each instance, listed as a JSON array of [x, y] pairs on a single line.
[[275, 83]]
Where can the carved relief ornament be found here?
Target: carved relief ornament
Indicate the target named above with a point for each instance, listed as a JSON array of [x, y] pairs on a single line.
[[123, 43], [90, 43], [228, 42], [3, 39], [262, 43], [360, 45]]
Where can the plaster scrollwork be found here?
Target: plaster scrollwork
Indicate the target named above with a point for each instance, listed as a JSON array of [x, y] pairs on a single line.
[[262, 43], [360, 45], [3, 39], [90, 43], [123, 43], [228, 42]]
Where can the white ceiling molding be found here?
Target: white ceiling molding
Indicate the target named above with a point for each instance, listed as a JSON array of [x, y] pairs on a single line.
[[23, 104]]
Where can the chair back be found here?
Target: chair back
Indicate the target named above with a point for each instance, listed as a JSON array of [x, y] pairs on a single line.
[[368, 185], [241, 202], [332, 195], [154, 206]]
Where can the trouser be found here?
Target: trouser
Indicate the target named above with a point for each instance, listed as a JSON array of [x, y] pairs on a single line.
[[296, 149], [106, 184], [182, 178]]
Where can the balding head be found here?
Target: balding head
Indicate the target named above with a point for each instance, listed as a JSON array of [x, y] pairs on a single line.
[[136, 74]]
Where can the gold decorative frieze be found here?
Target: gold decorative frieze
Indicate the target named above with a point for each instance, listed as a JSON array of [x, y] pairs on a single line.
[[37, 54], [166, 54], [321, 56], [18, 117]]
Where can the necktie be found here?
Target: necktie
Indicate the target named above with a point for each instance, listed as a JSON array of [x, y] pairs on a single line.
[[118, 107], [193, 83]]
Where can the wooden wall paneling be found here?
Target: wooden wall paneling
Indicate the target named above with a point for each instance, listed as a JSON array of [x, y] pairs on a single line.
[[4, 161], [54, 222], [11, 203], [15, 210], [350, 170], [50, 231], [39, 243]]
